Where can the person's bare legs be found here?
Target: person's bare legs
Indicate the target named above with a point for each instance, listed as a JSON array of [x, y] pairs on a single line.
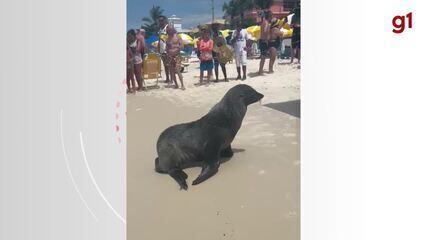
[[209, 75], [138, 75], [238, 74], [292, 55], [201, 77], [172, 74], [165, 65], [181, 79], [216, 71], [130, 80], [273, 55], [224, 71], [261, 65], [133, 79]]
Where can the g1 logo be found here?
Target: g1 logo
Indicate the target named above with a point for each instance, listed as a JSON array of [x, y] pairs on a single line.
[[399, 23]]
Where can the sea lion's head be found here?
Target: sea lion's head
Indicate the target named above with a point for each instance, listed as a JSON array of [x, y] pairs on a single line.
[[245, 94]]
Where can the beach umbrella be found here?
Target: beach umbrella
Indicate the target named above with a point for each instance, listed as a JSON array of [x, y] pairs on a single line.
[[287, 33], [290, 17], [151, 39], [220, 22], [155, 44], [254, 31], [225, 33], [195, 30], [195, 41], [164, 37], [186, 39], [284, 24]]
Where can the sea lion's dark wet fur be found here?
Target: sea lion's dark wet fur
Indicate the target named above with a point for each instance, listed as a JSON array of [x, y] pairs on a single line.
[[203, 142]]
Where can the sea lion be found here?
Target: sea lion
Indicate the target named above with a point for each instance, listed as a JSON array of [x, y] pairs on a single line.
[[204, 141]]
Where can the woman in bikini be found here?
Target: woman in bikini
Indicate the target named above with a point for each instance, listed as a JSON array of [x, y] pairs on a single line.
[[136, 47], [130, 80], [275, 39], [173, 48]]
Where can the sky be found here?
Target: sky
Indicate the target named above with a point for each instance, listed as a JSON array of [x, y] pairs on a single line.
[[193, 12]]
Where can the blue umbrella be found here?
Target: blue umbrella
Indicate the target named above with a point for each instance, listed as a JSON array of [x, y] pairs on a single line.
[[151, 39]]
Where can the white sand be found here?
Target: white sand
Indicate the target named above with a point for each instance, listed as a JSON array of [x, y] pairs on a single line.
[[255, 195]]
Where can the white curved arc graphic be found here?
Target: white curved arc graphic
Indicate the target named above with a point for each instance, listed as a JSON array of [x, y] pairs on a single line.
[[70, 173], [94, 181]]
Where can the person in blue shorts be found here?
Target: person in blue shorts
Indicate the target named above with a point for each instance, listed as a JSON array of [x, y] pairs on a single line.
[[205, 47]]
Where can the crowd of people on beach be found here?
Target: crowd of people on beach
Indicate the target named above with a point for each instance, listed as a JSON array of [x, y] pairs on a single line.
[[212, 49]]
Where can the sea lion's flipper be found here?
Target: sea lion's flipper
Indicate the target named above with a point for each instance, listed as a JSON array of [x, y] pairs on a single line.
[[228, 153], [180, 177], [208, 171], [183, 174]]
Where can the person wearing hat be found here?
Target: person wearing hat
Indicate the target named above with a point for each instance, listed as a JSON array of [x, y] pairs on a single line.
[[275, 40]]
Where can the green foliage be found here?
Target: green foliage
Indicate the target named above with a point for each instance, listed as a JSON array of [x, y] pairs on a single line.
[[236, 8], [248, 22], [150, 23], [264, 4]]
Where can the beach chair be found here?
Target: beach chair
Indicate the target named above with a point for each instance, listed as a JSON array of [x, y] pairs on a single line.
[[152, 67], [185, 61]]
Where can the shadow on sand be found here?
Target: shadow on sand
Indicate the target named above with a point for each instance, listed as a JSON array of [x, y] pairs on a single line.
[[292, 107], [151, 87], [255, 74]]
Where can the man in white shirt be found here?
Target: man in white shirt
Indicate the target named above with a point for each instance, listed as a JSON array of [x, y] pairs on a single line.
[[238, 40]]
